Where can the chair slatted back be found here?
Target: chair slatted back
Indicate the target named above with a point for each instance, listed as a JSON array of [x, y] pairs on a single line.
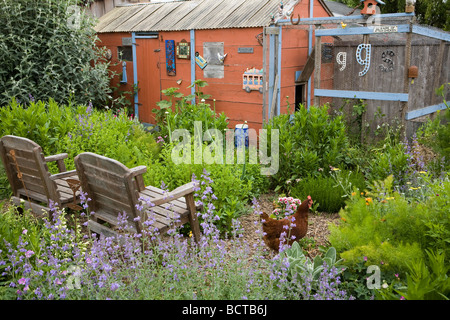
[[26, 169], [109, 184]]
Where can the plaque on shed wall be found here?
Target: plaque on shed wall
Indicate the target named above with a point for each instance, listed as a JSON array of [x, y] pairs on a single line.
[[183, 50], [211, 52]]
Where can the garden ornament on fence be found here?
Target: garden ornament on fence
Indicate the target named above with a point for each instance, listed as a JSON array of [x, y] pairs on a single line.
[[366, 61], [370, 6]]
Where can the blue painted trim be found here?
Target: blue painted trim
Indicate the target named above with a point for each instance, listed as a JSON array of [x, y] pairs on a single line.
[[339, 19], [279, 71], [357, 30], [310, 41], [135, 76], [424, 111], [367, 95], [192, 39], [431, 33], [271, 71]]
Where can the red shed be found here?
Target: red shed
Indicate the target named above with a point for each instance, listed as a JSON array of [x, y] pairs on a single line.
[[234, 45]]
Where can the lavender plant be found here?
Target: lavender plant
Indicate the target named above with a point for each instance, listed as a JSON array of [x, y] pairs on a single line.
[[153, 266]]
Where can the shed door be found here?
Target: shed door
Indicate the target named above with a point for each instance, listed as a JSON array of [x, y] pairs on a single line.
[[148, 74]]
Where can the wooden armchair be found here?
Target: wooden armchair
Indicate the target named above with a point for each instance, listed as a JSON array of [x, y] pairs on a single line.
[[29, 177], [113, 189]]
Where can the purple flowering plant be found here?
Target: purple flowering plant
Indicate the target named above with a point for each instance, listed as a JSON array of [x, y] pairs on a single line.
[[79, 265]]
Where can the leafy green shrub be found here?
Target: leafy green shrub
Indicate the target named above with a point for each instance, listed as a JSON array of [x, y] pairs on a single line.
[[389, 229], [436, 133], [310, 139], [65, 129], [326, 191], [392, 158], [43, 122], [112, 135], [44, 56], [183, 113], [426, 279]]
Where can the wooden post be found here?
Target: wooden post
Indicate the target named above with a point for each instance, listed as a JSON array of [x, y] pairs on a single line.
[[317, 62], [193, 219], [437, 79], [365, 85], [273, 104], [404, 105]]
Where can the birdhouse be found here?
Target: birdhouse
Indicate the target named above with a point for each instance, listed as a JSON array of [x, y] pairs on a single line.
[[370, 6]]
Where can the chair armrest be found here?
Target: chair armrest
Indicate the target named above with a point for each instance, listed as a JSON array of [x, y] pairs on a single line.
[[138, 170], [56, 157], [65, 174], [179, 192], [59, 158], [137, 173]]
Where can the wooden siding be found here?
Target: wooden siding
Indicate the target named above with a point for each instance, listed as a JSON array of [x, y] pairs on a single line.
[[434, 70]]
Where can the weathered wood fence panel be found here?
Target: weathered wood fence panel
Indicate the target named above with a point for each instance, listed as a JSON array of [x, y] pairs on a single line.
[[431, 56]]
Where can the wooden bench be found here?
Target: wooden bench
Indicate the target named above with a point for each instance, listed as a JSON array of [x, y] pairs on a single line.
[[29, 176], [115, 189]]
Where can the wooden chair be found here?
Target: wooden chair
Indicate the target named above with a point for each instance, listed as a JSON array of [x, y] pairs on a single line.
[[113, 188], [29, 177]]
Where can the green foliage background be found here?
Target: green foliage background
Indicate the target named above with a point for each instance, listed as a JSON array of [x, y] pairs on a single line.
[[48, 50]]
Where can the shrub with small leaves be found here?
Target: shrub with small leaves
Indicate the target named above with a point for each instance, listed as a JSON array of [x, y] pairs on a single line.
[[48, 49]]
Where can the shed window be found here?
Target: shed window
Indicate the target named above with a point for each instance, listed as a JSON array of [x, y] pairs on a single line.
[[125, 53]]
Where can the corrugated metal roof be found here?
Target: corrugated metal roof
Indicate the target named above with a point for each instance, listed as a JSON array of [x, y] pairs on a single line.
[[186, 15]]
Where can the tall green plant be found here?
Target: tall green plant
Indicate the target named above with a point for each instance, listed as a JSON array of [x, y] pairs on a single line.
[[178, 112], [48, 49], [310, 141]]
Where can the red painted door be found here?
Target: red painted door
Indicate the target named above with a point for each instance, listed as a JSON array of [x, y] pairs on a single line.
[[149, 77]]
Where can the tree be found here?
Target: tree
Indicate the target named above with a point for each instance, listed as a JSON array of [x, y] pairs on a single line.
[[48, 50], [434, 13]]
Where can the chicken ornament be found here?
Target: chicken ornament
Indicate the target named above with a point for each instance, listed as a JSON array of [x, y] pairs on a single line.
[[294, 226]]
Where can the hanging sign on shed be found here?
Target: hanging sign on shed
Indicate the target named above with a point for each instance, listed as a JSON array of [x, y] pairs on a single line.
[[170, 58], [183, 50]]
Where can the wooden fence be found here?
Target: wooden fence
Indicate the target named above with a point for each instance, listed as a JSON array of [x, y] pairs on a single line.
[[387, 74]]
